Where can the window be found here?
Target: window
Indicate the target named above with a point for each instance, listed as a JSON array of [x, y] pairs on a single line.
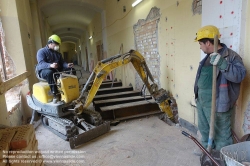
[[7, 71]]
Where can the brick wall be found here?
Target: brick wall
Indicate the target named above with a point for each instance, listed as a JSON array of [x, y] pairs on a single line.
[[146, 42]]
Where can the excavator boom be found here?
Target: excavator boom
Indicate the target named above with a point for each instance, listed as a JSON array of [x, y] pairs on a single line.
[[104, 67]]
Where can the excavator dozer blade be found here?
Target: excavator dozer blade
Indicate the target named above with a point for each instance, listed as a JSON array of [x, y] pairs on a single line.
[[89, 135]]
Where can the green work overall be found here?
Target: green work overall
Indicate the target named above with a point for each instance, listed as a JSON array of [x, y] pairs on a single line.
[[222, 126]]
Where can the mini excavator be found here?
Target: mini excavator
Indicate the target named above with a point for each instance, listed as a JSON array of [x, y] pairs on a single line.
[[70, 117]]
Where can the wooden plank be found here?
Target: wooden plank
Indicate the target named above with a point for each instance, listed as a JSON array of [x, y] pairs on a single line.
[[114, 90], [129, 110], [7, 85], [126, 105], [116, 95], [4, 87], [106, 81], [108, 102], [110, 82], [122, 99], [4, 118], [108, 85], [139, 115]]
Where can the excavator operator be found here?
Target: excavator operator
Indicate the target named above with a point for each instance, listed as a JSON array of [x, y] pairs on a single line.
[[50, 60]]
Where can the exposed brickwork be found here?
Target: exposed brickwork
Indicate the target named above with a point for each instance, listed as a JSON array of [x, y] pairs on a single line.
[[197, 7], [146, 42]]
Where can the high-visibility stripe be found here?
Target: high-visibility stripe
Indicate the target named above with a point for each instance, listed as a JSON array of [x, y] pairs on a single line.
[[223, 85]]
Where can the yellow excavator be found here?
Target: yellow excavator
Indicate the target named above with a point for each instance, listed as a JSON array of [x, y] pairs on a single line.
[[70, 117]]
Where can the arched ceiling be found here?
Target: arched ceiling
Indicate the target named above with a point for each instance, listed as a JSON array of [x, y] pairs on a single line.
[[70, 18]]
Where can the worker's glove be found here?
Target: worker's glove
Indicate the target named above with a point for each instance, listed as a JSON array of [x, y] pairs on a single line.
[[70, 65], [54, 65], [216, 59]]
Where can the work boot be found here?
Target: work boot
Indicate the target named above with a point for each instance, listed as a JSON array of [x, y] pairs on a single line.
[[206, 161], [197, 151], [56, 98]]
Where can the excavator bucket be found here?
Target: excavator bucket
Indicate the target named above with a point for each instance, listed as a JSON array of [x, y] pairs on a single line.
[[91, 134]]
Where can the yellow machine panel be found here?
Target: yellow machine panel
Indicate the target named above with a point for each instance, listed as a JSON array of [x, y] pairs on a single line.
[[42, 93], [69, 86]]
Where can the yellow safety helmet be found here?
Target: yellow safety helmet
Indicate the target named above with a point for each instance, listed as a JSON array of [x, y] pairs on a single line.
[[208, 31], [54, 39]]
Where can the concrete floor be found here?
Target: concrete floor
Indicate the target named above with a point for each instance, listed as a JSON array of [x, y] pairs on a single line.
[[146, 141]]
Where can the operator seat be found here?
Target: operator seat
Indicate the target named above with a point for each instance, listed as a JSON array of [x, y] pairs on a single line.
[[38, 77]]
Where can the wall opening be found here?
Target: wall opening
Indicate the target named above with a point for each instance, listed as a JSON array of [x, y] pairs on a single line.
[[146, 42]]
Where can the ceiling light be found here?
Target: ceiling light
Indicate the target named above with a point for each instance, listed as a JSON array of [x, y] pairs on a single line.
[[90, 37], [136, 3]]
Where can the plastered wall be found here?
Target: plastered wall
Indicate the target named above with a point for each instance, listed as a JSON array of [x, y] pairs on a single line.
[[179, 54], [94, 30], [244, 113], [69, 48], [83, 45]]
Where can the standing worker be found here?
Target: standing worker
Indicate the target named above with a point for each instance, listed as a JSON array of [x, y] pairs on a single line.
[[51, 61], [230, 73]]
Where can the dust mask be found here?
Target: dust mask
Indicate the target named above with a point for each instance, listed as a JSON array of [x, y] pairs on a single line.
[[56, 48]]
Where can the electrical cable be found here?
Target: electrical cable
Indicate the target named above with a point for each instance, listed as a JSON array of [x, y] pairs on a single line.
[[118, 19], [115, 21]]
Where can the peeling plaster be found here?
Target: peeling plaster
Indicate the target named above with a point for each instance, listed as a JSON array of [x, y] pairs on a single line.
[[246, 123]]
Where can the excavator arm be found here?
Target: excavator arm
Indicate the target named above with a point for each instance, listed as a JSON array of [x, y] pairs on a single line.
[[104, 67]]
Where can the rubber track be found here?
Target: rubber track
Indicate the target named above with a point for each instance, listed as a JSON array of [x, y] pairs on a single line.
[[67, 124], [95, 116]]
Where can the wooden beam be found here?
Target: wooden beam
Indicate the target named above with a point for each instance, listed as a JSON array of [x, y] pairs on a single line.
[[7, 85], [4, 118], [117, 95]]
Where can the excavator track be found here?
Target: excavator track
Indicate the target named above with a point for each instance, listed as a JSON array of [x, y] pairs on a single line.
[[62, 127], [92, 117], [65, 128]]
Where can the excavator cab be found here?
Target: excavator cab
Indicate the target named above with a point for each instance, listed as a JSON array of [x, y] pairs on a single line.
[[67, 84]]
